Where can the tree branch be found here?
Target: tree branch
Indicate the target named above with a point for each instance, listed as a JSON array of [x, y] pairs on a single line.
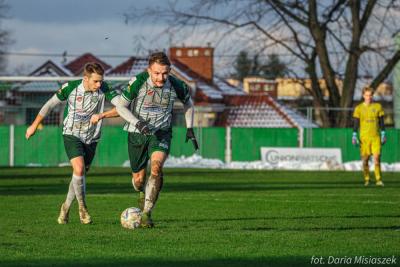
[[391, 63]]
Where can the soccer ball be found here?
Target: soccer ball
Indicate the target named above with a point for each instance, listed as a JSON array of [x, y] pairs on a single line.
[[130, 218]]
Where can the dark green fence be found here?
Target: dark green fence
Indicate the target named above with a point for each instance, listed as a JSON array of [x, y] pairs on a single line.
[[246, 142], [46, 148], [341, 138], [4, 145]]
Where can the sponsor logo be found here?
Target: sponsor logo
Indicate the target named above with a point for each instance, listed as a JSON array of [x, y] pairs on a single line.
[[300, 155], [82, 117], [153, 109]]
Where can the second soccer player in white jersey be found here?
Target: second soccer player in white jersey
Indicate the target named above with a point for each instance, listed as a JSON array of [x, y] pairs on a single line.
[[81, 129]]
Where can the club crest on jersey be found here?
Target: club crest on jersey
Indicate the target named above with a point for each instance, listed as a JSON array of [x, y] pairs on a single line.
[[94, 99], [79, 98], [150, 92]]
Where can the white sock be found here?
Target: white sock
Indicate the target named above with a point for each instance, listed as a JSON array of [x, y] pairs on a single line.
[[70, 196], [153, 188], [79, 187]]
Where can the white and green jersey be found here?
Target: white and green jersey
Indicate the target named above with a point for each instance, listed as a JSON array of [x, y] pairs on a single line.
[[80, 107], [154, 104]]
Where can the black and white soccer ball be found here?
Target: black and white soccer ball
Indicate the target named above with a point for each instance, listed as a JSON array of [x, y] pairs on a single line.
[[130, 218]]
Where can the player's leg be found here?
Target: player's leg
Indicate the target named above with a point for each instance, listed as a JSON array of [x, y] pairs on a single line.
[[365, 149], [138, 157], [78, 179], [80, 166], [376, 151], [153, 186], [64, 210], [138, 180], [72, 150], [159, 149]]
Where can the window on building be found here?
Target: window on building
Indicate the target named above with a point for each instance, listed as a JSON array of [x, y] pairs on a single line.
[[190, 53], [178, 53]]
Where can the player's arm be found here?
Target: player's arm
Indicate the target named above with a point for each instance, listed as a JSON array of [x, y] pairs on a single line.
[[382, 127], [126, 114], [356, 126], [183, 93], [46, 109], [112, 113], [129, 94], [188, 109]]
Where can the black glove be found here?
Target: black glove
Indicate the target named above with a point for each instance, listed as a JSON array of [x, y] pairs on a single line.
[[190, 135], [143, 127]]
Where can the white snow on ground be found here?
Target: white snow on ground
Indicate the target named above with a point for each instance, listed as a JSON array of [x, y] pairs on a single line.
[[196, 161]]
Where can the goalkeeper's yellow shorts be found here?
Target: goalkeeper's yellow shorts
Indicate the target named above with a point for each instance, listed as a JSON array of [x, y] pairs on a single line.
[[370, 146]]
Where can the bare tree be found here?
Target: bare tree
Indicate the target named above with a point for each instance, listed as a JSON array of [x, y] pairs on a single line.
[[5, 39], [330, 40]]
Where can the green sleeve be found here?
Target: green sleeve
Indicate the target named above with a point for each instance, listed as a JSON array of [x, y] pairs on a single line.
[[181, 89], [132, 90], [66, 89], [108, 91]]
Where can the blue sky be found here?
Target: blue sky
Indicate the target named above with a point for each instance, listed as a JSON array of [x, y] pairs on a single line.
[[79, 26]]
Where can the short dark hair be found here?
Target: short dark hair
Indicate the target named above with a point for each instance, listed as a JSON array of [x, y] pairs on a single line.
[[160, 58], [93, 67]]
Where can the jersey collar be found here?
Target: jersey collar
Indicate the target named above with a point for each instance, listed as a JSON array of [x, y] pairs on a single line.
[[167, 84]]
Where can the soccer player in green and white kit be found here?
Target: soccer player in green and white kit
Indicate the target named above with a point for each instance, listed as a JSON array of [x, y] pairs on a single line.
[[151, 95], [81, 131]]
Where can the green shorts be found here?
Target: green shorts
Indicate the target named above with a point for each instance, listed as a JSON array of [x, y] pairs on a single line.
[[75, 148], [140, 147]]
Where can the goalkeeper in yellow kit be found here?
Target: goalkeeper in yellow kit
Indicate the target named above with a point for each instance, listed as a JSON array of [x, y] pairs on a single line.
[[368, 117]]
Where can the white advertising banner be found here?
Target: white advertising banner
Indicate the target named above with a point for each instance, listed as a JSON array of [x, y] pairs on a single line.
[[298, 158]]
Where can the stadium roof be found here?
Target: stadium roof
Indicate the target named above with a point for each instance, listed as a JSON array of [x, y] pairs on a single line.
[[131, 67], [260, 111], [76, 65], [49, 68]]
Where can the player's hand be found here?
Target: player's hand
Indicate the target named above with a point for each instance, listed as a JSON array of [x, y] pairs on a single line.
[[143, 127], [190, 136], [354, 139], [383, 137], [30, 131], [96, 118]]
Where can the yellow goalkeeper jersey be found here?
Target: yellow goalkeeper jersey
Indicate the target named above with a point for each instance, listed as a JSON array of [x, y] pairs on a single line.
[[369, 119]]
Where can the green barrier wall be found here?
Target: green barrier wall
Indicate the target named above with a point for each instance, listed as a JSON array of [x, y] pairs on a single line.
[[46, 148], [341, 138], [246, 142], [4, 145]]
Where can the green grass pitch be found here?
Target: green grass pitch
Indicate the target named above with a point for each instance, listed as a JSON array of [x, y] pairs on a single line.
[[203, 218]]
